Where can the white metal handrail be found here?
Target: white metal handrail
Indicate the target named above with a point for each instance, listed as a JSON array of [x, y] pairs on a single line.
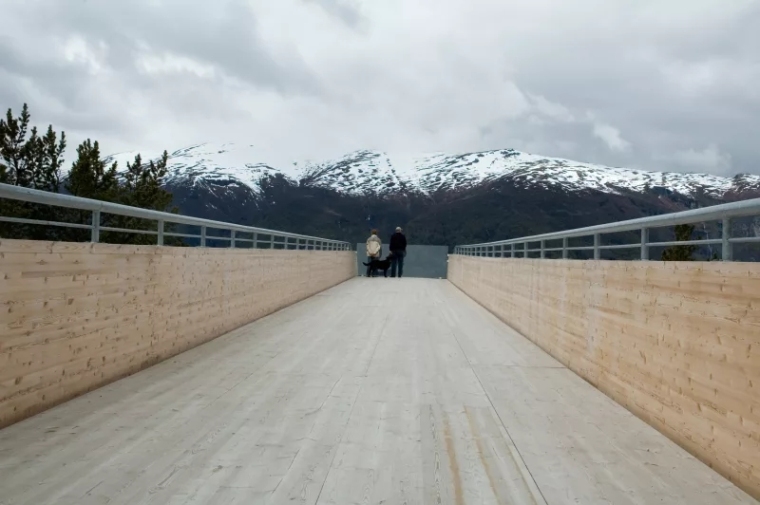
[[521, 247], [97, 208]]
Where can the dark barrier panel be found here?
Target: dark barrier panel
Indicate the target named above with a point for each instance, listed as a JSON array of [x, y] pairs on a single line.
[[428, 261]]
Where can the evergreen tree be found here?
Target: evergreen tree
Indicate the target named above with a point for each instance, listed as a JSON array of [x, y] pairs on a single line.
[[47, 176], [143, 187], [90, 177], [13, 148], [681, 252], [33, 162], [143, 184]]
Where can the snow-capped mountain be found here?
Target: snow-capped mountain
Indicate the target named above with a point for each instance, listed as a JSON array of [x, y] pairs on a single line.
[[362, 172]]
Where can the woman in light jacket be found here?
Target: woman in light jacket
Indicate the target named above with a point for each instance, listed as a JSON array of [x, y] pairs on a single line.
[[374, 249]]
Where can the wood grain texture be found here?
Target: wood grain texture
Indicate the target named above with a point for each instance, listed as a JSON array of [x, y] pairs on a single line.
[[677, 344], [377, 391], [74, 317]]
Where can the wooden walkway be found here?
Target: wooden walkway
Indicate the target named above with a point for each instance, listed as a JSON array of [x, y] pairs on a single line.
[[393, 391]]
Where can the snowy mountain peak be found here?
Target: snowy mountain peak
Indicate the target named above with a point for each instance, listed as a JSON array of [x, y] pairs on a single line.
[[209, 162], [366, 171]]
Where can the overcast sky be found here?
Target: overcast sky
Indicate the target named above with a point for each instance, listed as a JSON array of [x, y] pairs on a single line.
[[657, 84]]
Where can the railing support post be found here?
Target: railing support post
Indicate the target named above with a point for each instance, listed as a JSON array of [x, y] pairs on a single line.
[[513, 251], [564, 248], [232, 238], [95, 235], [203, 236], [255, 240], [271, 241], [543, 247], [645, 244], [525, 249], [597, 251], [160, 239], [727, 253]]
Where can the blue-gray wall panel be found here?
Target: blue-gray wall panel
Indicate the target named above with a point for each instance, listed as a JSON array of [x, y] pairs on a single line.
[[427, 261]]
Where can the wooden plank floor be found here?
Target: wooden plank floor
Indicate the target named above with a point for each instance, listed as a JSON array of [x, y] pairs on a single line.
[[393, 391]]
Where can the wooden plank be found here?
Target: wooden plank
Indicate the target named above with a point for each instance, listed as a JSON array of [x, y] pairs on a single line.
[[677, 343], [375, 391], [76, 316]]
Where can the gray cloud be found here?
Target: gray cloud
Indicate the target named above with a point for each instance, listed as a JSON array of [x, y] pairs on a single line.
[[341, 9], [649, 84]]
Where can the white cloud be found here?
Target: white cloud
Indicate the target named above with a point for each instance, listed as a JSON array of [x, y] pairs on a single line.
[[611, 136], [709, 159], [169, 63], [77, 50], [552, 110], [317, 78]]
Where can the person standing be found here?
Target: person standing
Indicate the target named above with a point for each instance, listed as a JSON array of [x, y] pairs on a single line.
[[398, 251], [374, 249]]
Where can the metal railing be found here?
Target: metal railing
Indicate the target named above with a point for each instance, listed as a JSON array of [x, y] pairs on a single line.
[[275, 240], [724, 213]]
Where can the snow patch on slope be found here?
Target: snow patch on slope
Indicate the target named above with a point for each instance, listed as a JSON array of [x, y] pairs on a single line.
[[377, 172], [229, 164]]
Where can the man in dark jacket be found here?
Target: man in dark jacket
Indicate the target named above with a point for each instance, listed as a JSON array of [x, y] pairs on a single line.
[[398, 251]]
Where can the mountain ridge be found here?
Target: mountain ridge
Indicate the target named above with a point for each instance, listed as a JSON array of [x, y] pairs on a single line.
[[440, 198], [367, 171]]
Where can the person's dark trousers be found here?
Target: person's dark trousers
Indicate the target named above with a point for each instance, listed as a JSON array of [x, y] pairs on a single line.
[[397, 263], [369, 268]]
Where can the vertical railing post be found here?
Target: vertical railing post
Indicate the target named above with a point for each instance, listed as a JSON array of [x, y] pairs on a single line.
[[232, 238], [255, 240], [95, 235], [543, 249], [564, 248], [271, 241], [525, 249], [512, 255], [597, 251], [203, 236], [160, 239], [645, 244], [727, 253]]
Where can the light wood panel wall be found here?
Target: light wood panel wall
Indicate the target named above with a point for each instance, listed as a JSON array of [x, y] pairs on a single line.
[[74, 317], [677, 343]]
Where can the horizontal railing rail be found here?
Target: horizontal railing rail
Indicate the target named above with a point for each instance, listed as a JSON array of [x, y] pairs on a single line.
[[97, 208], [723, 213]]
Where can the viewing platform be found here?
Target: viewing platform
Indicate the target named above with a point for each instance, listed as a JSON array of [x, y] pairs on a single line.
[[375, 391], [266, 372]]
